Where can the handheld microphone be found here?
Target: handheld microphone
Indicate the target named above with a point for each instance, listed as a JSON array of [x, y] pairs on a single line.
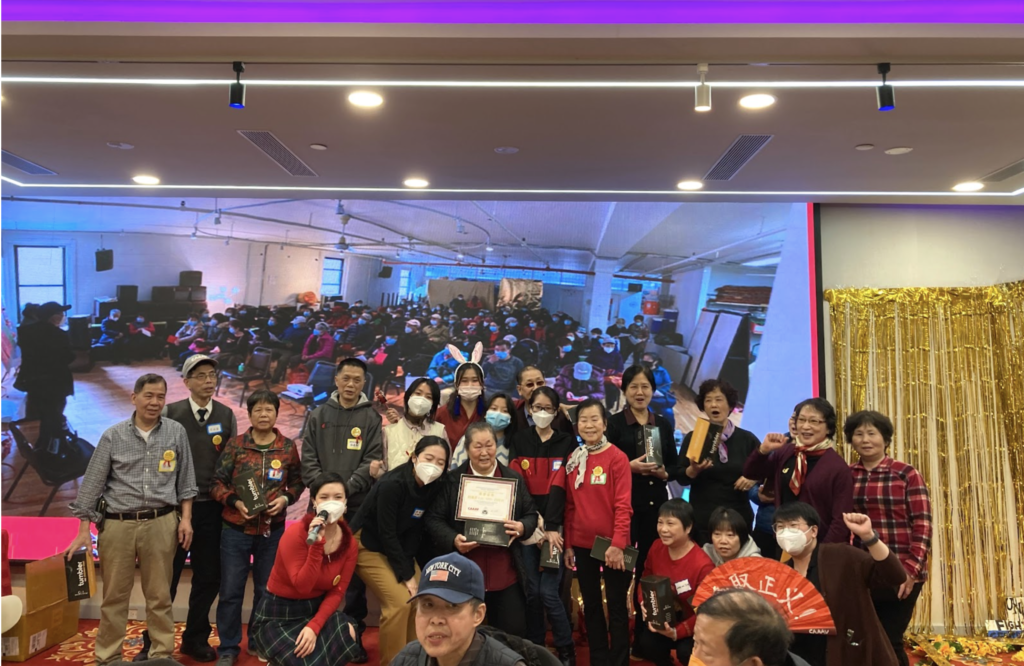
[[314, 532]]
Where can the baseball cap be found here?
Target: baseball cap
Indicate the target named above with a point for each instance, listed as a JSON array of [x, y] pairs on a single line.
[[299, 320], [413, 322], [194, 360], [582, 371], [452, 577], [47, 310]]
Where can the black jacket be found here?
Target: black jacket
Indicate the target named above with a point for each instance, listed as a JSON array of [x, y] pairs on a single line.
[[392, 518], [46, 358], [443, 528], [649, 492]]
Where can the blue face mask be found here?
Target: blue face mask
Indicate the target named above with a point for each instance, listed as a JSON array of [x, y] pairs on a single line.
[[568, 321], [609, 350], [567, 348], [271, 323], [533, 324], [408, 330], [390, 341], [494, 329], [501, 354], [498, 420]]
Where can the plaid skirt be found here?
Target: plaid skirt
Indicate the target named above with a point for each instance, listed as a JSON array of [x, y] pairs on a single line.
[[277, 626]]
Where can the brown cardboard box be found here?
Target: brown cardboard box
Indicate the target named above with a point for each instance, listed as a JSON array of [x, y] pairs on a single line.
[[49, 617]]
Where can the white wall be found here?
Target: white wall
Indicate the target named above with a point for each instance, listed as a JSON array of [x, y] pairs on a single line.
[[359, 279], [689, 293], [567, 299], [231, 273], [921, 246]]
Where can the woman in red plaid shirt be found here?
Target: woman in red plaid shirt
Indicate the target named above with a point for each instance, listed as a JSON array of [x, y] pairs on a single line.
[[893, 494]]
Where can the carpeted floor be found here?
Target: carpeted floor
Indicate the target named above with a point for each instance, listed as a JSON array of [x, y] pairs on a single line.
[[78, 650]]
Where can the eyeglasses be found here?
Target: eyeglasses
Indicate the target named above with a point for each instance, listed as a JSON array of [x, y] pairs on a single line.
[[549, 410], [204, 377], [810, 422]]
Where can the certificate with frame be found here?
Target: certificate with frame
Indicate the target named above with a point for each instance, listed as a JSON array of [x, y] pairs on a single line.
[[485, 504]]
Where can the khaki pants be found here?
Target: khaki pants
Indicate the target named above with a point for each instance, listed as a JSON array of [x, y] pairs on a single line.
[[397, 626], [154, 543]]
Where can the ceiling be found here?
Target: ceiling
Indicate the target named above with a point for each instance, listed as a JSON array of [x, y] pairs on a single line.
[[575, 144], [637, 238]]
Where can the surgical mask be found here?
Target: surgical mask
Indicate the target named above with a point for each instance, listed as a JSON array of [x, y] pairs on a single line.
[[638, 322], [567, 322], [501, 354], [453, 320], [567, 348], [608, 348], [513, 323], [435, 322], [792, 540], [271, 323], [543, 419], [335, 510], [140, 320], [469, 392], [494, 329], [408, 330], [570, 338], [389, 341], [113, 318], [471, 327], [418, 405], [533, 324], [498, 420], [427, 472]]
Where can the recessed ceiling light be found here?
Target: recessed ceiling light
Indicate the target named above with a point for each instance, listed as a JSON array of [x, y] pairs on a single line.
[[506, 150], [757, 101], [416, 182], [969, 186], [318, 146], [690, 185], [120, 145], [365, 98], [864, 146], [146, 180], [898, 150]]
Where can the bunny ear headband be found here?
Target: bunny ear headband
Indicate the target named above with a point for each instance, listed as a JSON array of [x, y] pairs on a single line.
[[474, 359]]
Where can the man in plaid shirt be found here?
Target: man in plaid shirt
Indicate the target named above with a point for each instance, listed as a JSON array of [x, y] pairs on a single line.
[[893, 494]]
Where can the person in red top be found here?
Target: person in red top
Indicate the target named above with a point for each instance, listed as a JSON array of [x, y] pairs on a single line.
[[466, 403], [894, 496], [599, 487], [141, 342], [297, 621], [319, 346], [675, 556], [539, 454]]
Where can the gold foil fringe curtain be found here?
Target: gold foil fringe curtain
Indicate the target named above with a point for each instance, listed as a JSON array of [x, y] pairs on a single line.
[[947, 366]]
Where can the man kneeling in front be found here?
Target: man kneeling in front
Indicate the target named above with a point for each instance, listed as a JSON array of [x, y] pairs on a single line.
[[449, 608]]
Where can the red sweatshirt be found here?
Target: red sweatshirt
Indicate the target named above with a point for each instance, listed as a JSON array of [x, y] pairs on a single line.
[[604, 500], [305, 572], [686, 575]]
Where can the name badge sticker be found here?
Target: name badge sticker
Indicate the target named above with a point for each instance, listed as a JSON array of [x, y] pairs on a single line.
[[275, 474], [214, 429], [355, 444], [167, 465], [683, 586], [418, 513], [556, 465]]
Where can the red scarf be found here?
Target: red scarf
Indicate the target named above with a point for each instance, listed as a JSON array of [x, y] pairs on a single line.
[[796, 482]]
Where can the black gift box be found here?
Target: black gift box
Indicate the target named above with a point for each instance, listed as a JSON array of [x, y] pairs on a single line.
[[486, 533], [649, 445], [659, 599], [602, 544], [704, 441], [81, 575], [249, 490]]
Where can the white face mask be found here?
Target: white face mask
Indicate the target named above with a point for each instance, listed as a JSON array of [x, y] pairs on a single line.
[[792, 540], [427, 472], [418, 405], [543, 419], [335, 510], [469, 392]]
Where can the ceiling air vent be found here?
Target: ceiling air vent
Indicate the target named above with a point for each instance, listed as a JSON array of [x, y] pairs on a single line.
[[277, 151], [736, 157], [23, 165], [999, 176]]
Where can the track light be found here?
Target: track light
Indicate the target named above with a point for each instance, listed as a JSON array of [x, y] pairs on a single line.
[[217, 220], [339, 210], [702, 93], [236, 96], [460, 256], [489, 248], [885, 93], [194, 235]]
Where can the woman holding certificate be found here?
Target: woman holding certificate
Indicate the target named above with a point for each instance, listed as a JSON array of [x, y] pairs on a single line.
[[484, 511], [598, 510]]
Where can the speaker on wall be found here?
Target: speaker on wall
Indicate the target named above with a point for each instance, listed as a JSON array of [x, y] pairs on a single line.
[[78, 331], [190, 279], [127, 293], [385, 272], [104, 260], [634, 287]]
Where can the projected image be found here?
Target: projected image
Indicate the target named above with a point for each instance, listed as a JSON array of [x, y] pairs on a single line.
[[572, 292]]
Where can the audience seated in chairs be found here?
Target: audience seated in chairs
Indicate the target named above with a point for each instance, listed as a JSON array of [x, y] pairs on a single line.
[[580, 381], [141, 342], [501, 368], [442, 368], [319, 346], [189, 332], [114, 335]]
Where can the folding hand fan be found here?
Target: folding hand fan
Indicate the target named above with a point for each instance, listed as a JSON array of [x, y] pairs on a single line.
[[803, 606]]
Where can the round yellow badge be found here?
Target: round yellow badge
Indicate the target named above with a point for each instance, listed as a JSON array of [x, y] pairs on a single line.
[[337, 579], [356, 432], [276, 464], [217, 439], [168, 456], [525, 464], [598, 471]]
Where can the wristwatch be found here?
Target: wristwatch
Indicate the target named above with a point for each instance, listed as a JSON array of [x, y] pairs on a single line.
[[873, 540]]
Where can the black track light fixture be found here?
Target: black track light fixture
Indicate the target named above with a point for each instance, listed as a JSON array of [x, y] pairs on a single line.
[[236, 98], [885, 93]]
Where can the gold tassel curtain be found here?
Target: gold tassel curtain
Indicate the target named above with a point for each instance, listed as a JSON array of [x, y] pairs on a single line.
[[947, 366]]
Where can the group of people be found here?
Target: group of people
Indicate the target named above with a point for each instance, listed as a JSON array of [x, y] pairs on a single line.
[[169, 483]]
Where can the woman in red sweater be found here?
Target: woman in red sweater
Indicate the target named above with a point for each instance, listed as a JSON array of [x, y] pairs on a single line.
[[675, 556], [599, 486], [297, 621]]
